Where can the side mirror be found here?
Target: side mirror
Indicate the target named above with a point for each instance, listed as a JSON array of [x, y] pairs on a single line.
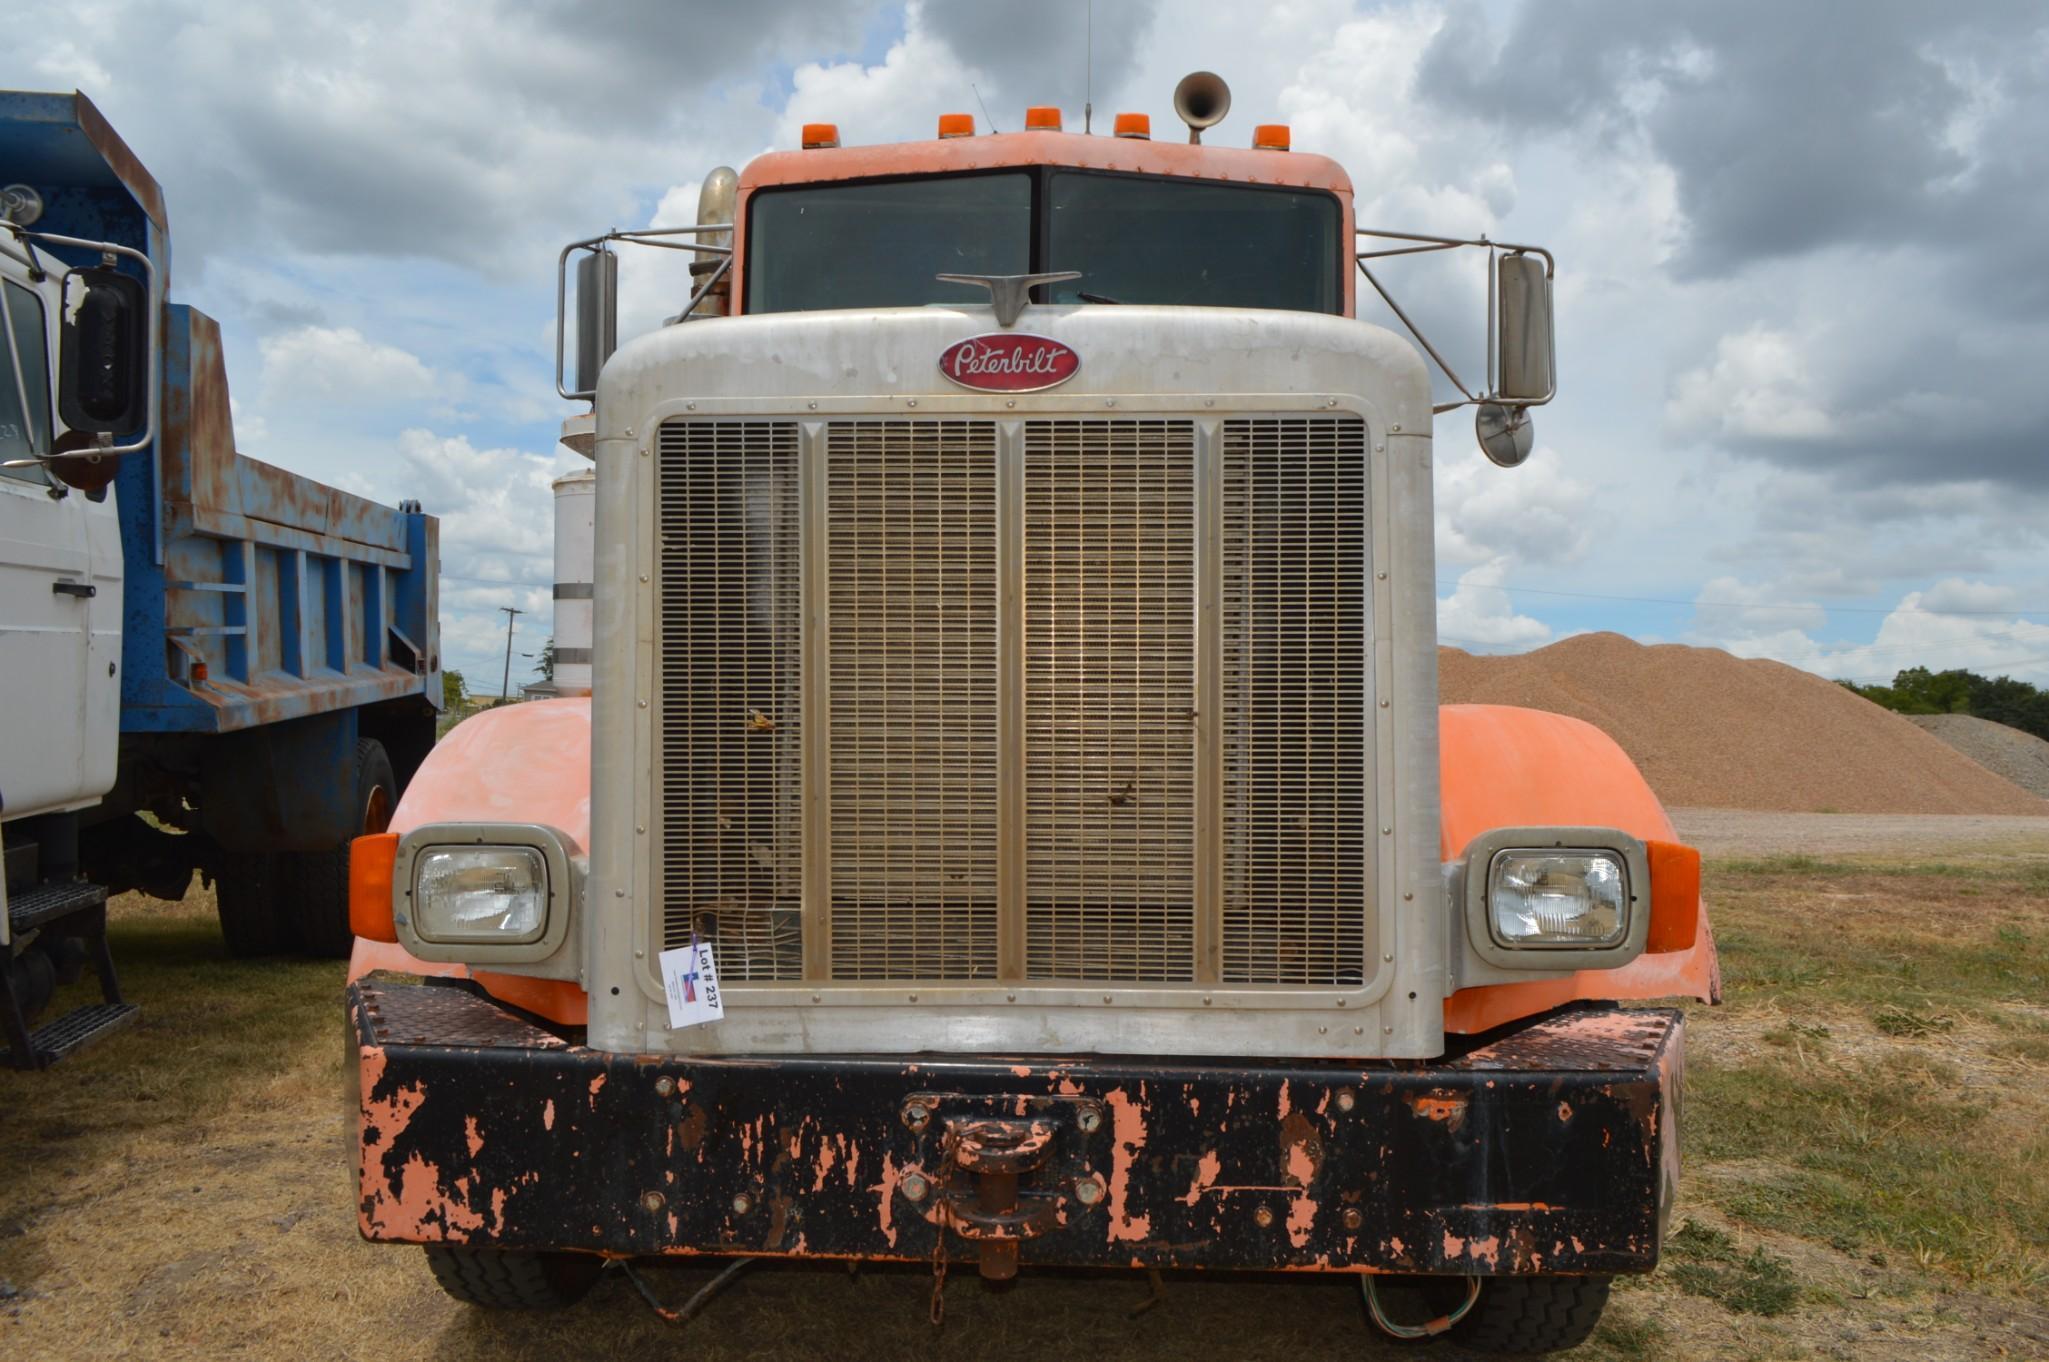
[[103, 378], [597, 316], [1523, 293]]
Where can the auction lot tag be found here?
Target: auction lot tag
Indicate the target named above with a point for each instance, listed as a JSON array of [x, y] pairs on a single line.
[[692, 985]]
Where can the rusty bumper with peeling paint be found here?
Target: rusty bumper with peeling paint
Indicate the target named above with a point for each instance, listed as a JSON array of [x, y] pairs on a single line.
[[1548, 1147]]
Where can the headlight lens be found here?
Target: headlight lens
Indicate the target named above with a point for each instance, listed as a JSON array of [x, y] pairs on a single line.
[[1558, 898], [480, 894]]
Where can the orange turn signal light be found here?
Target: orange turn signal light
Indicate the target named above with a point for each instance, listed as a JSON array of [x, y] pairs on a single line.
[[956, 125], [1042, 118], [1134, 125], [199, 672], [817, 135], [1271, 137], [1675, 897], [371, 862]]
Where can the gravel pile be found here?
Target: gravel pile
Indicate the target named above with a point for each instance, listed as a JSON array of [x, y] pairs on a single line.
[[1716, 731], [2021, 757]]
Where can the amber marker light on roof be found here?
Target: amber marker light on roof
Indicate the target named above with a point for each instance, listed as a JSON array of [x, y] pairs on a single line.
[[1134, 125], [956, 125], [818, 135], [1042, 118], [1270, 137]]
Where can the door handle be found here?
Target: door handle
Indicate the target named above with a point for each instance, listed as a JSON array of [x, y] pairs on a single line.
[[83, 590]]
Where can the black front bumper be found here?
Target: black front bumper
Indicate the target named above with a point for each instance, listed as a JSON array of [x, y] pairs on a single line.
[[1549, 1147]]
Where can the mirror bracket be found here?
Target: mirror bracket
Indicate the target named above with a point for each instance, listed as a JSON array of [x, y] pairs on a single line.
[[1498, 252]]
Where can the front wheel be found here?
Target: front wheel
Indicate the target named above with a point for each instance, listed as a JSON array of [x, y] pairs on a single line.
[[506, 1279], [1533, 1315]]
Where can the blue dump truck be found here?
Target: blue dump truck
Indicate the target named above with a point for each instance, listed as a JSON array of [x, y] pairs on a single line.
[[210, 665]]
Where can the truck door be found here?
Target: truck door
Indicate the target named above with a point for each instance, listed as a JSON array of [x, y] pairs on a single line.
[[46, 583]]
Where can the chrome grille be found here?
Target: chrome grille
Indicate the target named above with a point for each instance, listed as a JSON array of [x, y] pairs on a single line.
[[995, 640], [1109, 700], [1293, 600], [729, 608], [911, 587]]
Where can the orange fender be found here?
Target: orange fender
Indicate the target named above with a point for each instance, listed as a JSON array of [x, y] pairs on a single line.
[[1500, 766], [524, 763]]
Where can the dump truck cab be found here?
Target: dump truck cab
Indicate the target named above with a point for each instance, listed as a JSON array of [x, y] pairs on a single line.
[[1013, 819]]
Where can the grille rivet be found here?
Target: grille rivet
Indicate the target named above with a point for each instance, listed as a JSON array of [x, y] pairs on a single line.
[[643, 704], [1011, 403], [742, 1203], [1323, 1030], [1342, 1002], [914, 997], [814, 997], [1106, 997], [1205, 1000], [643, 576], [1408, 896], [1387, 1030], [1010, 997], [1383, 704], [640, 828], [690, 406], [1347, 1099], [1394, 430], [1109, 401], [812, 405], [912, 402], [915, 1187], [651, 1202], [1389, 957], [1384, 832], [665, 1087], [1358, 1030], [1381, 575]]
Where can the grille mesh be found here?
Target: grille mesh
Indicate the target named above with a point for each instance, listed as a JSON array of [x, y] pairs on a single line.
[[1292, 513], [1120, 621], [729, 610], [913, 673], [1109, 681]]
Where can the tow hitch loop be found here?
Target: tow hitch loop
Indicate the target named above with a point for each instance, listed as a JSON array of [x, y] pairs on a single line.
[[996, 1215]]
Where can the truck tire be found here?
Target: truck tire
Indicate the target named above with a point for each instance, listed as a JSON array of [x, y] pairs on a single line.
[[321, 878], [1533, 1315], [245, 898], [506, 1279]]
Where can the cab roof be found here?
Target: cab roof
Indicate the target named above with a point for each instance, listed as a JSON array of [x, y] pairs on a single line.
[[996, 151]]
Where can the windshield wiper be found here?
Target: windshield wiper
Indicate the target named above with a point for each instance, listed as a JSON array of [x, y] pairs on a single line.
[[1094, 297]]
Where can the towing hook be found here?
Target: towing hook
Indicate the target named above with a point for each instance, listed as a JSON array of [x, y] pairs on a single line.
[[997, 1153]]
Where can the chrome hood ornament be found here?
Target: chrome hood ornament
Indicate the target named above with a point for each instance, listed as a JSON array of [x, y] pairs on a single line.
[[1010, 294]]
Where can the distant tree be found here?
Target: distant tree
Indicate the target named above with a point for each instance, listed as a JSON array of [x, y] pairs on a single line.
[[544, 662], [2001, 700], [454, 690]]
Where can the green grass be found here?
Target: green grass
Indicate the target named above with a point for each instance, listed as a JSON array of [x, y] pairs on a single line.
[[1755, 1283], [1893, 1153]]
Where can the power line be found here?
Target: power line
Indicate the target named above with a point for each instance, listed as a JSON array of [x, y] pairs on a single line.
[[1741, 605]]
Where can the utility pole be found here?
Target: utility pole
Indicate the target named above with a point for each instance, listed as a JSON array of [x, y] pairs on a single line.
[[512, 612]]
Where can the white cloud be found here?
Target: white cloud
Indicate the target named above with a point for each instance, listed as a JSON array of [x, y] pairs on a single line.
[[1756, 387], [1479, 613], [1516, 516], [323, 365]]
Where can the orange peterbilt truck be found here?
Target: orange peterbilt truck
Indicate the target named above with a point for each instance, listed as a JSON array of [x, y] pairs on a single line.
[[1013, 820]]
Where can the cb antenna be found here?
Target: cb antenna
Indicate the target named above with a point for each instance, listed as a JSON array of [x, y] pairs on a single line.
[[1088, 71], [985, 107]]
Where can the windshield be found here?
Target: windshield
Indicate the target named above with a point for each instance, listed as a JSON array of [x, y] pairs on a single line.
[[880, 244], [1134, 239], [1142, 240]]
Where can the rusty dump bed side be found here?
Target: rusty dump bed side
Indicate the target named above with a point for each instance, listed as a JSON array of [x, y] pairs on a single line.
[[1545, 1148]]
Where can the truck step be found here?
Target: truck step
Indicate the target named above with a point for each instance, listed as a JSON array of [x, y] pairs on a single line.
[[54, 1040], [53, 899]]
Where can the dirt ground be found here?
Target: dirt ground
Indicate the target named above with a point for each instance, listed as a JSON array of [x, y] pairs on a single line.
[[1867, 1172]]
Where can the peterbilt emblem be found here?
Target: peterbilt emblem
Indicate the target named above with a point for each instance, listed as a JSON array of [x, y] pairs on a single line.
[[1009, 362]]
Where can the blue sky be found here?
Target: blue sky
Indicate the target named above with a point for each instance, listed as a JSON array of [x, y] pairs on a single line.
[[1799, 336]]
